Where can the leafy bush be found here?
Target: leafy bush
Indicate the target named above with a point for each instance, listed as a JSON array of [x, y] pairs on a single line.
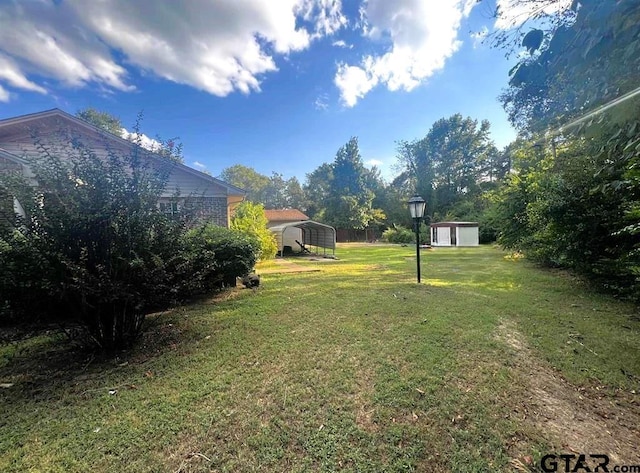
[[23, 290], [215, 257], [250, 219], [399, 234], [96, 248]]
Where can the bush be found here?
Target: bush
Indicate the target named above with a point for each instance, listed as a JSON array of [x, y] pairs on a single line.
[[250, 219], [96, 248], [24, 293], [399, 234], [215, 257]]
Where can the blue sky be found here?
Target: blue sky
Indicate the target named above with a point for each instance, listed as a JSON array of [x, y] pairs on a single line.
[[277, 86]]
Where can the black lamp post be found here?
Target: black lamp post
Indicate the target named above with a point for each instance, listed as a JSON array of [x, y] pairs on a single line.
[[416, 209]]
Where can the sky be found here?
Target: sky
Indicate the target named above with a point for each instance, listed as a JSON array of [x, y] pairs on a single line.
[[278, 86]]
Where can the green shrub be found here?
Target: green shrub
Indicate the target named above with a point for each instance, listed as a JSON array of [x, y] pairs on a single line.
[[24, 292], [215, 257], [250, 219], [399, 234]]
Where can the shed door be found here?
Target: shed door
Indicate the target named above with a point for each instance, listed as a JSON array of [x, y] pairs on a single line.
[[453, 236]]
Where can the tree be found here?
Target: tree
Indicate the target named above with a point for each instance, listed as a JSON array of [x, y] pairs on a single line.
[[101, 247], [449, 163], [317, 189], [103, 120], [294, 194], [589, 57], [248, 179], [349, 204], [170, 149], [575, 203], [250, 218]]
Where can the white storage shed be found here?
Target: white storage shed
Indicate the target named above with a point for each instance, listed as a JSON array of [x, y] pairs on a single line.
[[454, 234]]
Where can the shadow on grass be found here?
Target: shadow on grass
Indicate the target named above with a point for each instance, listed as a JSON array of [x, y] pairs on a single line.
[[52, 364]]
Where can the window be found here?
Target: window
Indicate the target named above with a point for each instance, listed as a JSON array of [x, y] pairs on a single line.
[[169, 208]]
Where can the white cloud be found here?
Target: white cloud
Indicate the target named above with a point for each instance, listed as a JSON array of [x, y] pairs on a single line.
[[479, 36], [374, 162], [145, 141], [4, 95], [513, 13], [342, 44], [421, 36], [218, 46], [321, 102], [10, 73], [199, 165]]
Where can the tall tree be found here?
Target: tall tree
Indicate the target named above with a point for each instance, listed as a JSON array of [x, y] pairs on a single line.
[[581, 64], [449, 163], [317, 188], [248, 179], [103, 120], [350, 201]]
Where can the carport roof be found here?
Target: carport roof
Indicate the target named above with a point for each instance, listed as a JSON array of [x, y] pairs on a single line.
[[313, 233]]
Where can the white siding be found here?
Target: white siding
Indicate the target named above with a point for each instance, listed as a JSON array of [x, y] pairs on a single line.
[[467, 236], [180, 180], [443, 236]]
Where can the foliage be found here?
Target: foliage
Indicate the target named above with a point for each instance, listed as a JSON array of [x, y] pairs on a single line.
[[590, 56], [317, 189], [449, 163], [102, 120], [248, 179], [400, 234], [273, 192], [575, 204], [103, 246], [215, 257], [250, 219], [342, 192], [170, 149], [577, 209], [95, 248]]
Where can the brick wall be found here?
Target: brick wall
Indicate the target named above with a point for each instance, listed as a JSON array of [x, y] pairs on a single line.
[[207, 209]]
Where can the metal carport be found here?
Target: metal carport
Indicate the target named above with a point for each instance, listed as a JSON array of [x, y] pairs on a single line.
[[313, 234]]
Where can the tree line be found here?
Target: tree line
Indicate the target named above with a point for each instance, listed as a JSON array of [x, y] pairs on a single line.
[[566, 192]]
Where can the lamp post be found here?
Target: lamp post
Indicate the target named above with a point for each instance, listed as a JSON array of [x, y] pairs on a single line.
[[416, 209]]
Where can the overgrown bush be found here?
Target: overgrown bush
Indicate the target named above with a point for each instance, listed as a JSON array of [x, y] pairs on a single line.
[[215, 257], [96, 248], [399, 234]]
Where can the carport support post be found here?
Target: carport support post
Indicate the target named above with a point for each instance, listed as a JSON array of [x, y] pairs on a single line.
[[416, 209]]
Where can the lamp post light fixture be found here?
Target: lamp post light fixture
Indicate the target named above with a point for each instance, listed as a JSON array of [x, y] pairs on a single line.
[[416, 208]]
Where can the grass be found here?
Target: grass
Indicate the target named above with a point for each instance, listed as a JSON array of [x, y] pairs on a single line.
[[352, 368]]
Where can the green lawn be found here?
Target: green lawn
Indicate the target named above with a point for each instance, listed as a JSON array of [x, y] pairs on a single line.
[[351, 368]]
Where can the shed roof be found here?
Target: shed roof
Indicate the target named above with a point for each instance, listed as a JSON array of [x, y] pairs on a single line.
[[455, 224], [285, 215]]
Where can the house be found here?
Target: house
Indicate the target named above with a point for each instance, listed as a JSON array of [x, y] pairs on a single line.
[[206, 197], [294, 232], [454, 234]]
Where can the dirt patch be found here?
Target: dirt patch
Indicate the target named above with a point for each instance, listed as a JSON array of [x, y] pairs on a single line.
[[577, 419]]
